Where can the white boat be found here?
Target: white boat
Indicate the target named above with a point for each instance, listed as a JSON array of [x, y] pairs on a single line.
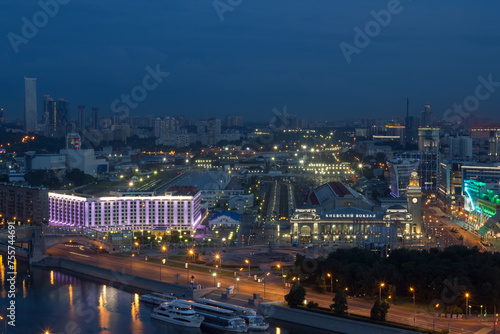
[[218, 318], [177, 313], [254, 321], [157, 298]]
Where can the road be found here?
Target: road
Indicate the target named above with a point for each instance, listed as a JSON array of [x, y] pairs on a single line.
[[440, 229], [273, 289]]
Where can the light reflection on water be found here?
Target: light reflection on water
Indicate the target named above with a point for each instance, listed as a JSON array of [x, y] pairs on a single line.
[[63, 303]]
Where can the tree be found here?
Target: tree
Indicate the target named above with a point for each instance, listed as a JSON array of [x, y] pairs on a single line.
[[312, 304], [296, 295], [339, 305], [379, 310]]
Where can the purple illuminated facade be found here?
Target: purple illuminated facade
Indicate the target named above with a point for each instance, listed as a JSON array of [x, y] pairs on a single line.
[[126, 212]]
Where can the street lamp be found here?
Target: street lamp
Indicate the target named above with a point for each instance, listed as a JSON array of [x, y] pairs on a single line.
[[131, 262], [435, 316], [279, 266], [214, 274], [138, 247], [100, 247], [2, 318], [380, 291], [414, 308], [246, 261], [238, 284], [165, 249], [466, 304], [191, 253], [331, 282], [218, 257]]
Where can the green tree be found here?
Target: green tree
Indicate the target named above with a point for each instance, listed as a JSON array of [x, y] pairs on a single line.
[[339, 305], [379, 310], [296, 295], [312, 304]]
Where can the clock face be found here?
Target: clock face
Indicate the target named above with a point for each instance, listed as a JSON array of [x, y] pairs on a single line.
[[415, 200]]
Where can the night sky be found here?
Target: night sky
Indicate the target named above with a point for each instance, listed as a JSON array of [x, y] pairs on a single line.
[[265, 54]]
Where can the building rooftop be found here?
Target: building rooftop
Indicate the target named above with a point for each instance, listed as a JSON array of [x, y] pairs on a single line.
[[230, 214]]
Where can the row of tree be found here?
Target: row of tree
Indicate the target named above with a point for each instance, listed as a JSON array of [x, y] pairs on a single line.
[[435, 275], [297, 295]]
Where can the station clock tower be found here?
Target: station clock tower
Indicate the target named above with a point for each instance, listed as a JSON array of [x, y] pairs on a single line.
[[414, 198]]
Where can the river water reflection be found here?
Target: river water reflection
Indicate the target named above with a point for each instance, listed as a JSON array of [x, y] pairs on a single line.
[[60, 302]]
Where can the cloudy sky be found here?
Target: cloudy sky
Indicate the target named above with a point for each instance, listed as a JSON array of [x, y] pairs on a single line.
[[264, 54]]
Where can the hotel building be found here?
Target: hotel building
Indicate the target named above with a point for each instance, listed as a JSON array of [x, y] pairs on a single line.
[[126, 211]]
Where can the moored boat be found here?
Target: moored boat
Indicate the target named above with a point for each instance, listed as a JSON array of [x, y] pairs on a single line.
[[157, 298], [177, 313], [254, 321], [218, 318]]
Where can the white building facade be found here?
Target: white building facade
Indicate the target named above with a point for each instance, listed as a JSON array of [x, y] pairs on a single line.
[[126, 211]]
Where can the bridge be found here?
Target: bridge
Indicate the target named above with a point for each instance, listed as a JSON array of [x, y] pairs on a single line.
[[41, 237]]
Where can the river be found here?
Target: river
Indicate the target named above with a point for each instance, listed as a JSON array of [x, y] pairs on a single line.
[[57, 302]]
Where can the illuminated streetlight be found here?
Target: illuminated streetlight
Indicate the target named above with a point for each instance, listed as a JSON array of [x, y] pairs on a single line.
[[214, 274], [435, 315], [414, 308], [246, 261], [331, 282], [380, 291], [466, 304]]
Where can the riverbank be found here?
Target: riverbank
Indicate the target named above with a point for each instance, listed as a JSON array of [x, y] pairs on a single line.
[[326, 322], [121, 280]]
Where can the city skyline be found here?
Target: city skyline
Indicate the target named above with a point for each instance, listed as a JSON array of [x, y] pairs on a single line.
[[299, 63]]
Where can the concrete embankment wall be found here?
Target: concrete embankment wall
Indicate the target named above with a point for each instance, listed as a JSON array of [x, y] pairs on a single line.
[[19, 253], [322, 321], [121, 280]]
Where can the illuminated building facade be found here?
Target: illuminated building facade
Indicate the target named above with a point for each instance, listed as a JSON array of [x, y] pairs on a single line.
[[400, 171], [126, 211], [481, 201], [346, 227], [414, 199]]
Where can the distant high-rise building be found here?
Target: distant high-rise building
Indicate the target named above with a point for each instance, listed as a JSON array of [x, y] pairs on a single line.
[[57, 116], [95, 118], [229, 121], [426, 120], [460, 147], [237, 121], [30, 112], [428, 140], [81, 117], [400, 172], [494, 145], [1, 115]]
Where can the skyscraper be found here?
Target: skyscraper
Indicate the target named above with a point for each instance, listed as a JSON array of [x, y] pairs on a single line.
[[95, 118], [426, 120], [30, 114], [57, 116], [81, 117], [428, 140]]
